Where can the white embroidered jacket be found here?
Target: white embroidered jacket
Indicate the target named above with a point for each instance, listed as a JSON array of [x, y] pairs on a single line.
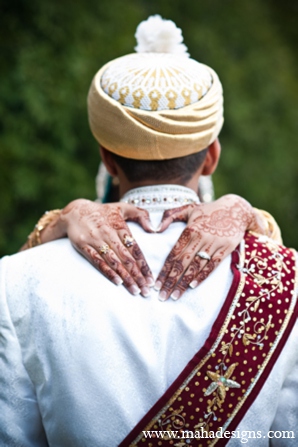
[[82, 360]]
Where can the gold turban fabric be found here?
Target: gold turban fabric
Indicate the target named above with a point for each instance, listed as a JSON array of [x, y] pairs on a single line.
[[185, 110]]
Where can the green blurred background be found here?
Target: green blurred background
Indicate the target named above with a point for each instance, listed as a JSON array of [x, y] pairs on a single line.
[[50, 50]]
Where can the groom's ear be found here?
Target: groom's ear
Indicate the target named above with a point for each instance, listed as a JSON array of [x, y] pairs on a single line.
[[108, 161], [212, 158]]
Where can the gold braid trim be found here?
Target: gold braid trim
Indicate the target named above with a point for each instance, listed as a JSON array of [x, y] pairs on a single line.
[[272, 229], [44, 221]]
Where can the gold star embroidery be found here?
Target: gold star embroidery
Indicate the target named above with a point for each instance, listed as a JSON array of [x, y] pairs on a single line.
[[220, 382]]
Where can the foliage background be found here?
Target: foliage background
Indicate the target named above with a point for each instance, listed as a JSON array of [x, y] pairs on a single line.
[[50, 50]]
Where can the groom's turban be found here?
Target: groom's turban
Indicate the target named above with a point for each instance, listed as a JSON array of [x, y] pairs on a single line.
[[158, 104]]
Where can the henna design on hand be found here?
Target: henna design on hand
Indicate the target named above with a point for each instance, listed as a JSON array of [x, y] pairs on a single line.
[[138, 256], [170, 262], [99, 215], [90, 224], [98, 262], [224, 222], [216, 228]]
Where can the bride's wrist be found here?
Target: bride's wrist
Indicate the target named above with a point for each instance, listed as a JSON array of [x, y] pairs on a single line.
[[44, 228]]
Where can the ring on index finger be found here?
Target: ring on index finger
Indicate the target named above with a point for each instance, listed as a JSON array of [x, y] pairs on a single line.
[[203, 255], [128, 241]]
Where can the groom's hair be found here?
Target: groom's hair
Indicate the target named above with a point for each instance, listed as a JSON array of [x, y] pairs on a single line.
[[181, 168]]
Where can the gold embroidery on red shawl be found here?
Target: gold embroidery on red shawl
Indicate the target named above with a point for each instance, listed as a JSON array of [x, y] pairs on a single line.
[[251, 332]]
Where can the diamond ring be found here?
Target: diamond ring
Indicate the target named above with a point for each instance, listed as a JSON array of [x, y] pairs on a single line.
[[128, 241], [203, 255], [104, 249]]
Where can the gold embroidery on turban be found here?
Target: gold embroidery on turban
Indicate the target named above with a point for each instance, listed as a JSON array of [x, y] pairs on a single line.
[[159, 134]]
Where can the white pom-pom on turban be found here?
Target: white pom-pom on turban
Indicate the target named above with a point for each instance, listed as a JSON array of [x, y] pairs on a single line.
[[155, 106], [156, 35]]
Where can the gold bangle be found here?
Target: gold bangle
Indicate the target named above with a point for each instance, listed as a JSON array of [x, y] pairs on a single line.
[[44, 221]]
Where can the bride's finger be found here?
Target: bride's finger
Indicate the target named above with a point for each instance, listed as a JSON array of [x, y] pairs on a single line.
[[220, 253], [177, 283], [127, 244], [126, 267], [174, 260], [96, 260], [133, 214], [180, 214], [206, 271], [199, 263]]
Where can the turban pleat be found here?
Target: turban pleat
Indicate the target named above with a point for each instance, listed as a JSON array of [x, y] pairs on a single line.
[[155, 135]]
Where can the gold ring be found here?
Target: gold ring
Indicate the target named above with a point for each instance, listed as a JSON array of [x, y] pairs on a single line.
[[104, 249], [128, 241]]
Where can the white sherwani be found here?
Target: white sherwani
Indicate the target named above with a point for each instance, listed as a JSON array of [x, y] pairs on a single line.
[[82, 360]]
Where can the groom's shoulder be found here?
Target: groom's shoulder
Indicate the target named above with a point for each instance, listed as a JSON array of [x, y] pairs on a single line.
[[45, 263], [41, 254]]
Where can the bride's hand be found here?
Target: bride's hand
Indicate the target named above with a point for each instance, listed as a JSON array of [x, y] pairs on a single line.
[[103, 237], [213, 231], [99, 232]]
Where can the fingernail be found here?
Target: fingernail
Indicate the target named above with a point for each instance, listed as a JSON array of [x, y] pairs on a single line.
[[175, 295], [162, 296], [158, 285], [152, 228], [150, 281], [193, 284], [134, 290], [118, 281], [145, 292], [158, 228]]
